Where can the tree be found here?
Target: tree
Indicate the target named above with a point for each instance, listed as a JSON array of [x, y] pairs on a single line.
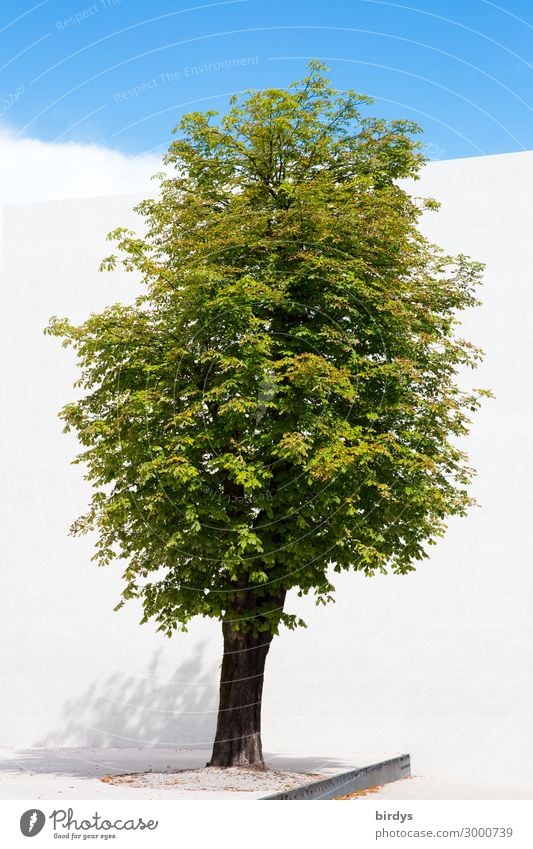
[[281, 402]]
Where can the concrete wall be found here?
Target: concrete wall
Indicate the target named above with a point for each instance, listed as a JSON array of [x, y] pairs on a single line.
[[436, 663]]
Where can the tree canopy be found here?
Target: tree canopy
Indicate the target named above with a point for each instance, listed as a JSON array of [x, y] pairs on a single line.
[[281, 402]]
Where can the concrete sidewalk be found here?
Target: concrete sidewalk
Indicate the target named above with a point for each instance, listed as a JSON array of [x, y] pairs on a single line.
[[431, 787], [76, 773]]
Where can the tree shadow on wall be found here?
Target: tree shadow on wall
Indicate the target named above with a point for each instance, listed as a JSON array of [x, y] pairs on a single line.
[[134, 723], [148, 710]]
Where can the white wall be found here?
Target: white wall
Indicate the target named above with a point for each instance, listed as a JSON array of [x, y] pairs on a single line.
[[437, 663]]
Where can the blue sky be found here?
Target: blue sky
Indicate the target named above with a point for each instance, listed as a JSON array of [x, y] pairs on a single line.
[[121, 73]]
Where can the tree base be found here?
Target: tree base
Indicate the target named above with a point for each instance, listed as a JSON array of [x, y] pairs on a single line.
[[255, 767]]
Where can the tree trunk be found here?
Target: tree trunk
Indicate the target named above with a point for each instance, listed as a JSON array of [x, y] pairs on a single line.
[[238, 734]]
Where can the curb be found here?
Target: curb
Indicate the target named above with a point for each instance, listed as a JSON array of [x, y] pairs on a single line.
[[348, 782]]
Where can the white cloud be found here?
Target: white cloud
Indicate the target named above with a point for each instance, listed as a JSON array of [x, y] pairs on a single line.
[[33, 170]]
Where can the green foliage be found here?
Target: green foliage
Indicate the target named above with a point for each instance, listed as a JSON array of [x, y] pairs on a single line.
[[280, 403]]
